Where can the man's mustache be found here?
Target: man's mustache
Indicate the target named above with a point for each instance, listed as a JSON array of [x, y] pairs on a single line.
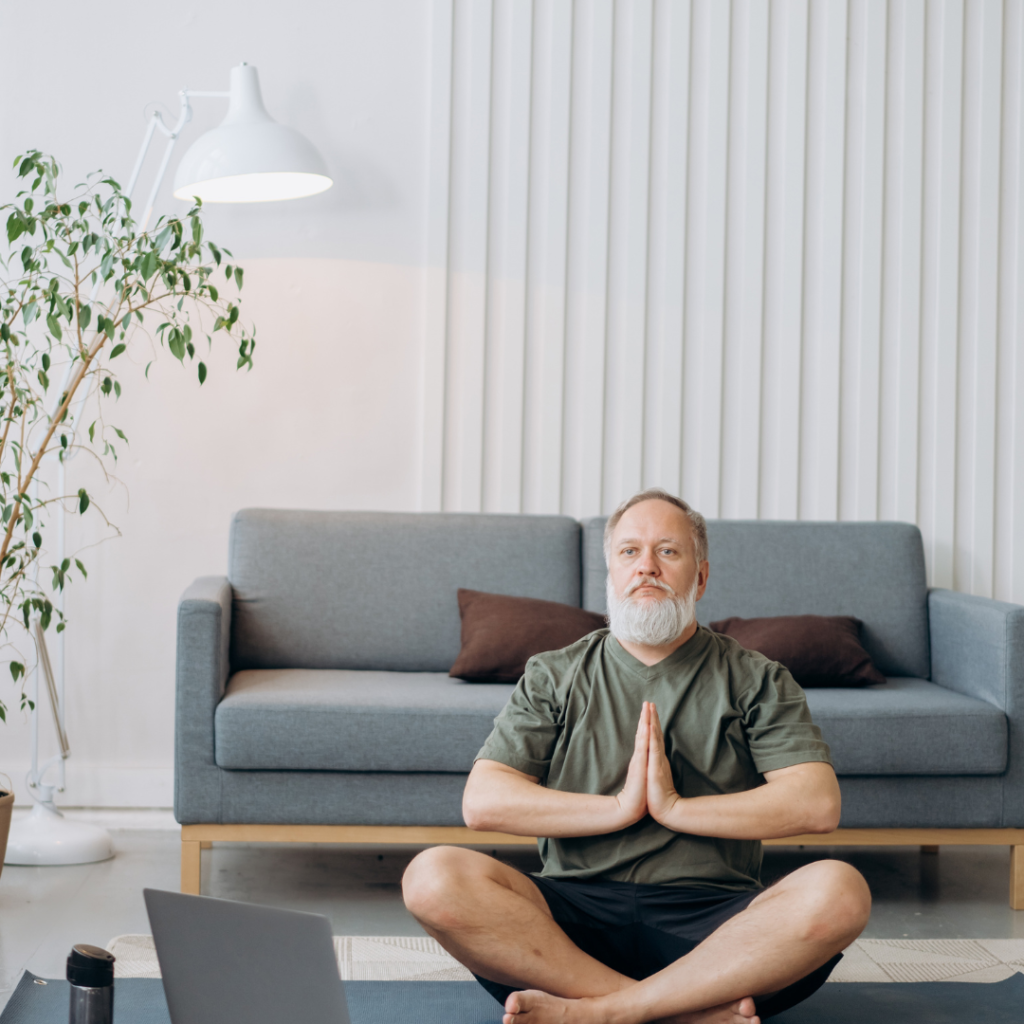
[[651, 581]]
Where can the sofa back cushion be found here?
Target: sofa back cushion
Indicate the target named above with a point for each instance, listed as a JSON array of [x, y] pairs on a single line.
[[378, 590], [872, 571]]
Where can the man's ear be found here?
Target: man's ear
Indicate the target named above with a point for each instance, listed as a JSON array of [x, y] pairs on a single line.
[[703, 575]]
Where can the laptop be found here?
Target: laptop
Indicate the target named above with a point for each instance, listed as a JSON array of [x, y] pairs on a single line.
[[223, 961]]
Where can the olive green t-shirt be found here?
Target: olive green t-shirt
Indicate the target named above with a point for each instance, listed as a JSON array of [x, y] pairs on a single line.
[[728, 714]]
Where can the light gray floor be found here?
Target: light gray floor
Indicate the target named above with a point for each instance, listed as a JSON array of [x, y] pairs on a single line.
[[961, 893]]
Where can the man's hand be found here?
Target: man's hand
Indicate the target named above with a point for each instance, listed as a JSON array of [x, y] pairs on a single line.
[[661, 791], [633, 798]]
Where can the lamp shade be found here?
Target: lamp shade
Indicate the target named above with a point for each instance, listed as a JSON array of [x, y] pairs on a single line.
[[250, 158]]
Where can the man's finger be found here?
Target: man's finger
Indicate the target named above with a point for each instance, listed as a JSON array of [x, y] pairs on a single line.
[[642, 730]]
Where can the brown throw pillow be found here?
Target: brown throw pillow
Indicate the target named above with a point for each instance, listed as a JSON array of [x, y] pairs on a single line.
[[500, 633], [820, 650]]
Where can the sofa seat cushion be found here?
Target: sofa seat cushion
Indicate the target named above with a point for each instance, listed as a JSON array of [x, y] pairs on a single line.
[[910, 727], [347, 720]]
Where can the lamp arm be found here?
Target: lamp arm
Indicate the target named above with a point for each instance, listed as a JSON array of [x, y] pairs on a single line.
[[157, 121]]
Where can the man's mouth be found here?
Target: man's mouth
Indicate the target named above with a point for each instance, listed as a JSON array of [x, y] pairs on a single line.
[[648, 587]]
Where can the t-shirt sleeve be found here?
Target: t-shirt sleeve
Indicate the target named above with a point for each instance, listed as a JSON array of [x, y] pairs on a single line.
[[525, 731], [778, 723]]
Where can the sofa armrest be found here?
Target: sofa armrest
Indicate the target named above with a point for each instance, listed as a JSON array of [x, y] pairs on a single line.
[[203, 667], [978, 650], [978, 647]]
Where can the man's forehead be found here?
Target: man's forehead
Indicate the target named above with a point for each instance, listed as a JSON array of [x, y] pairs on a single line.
[[658, 516]]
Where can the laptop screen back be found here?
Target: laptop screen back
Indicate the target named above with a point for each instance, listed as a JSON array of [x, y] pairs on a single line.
[[223, 961]]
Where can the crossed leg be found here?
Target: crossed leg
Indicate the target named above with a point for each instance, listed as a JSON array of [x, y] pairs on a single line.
[[494, 920]]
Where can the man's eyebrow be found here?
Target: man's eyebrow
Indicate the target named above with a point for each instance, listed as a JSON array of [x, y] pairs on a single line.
[[660, 540]]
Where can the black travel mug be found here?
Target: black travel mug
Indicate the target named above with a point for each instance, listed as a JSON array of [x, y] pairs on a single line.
[[91, 973]]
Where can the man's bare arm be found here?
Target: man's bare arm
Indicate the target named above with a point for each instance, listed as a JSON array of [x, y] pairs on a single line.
[[795, 800], [498, 798]]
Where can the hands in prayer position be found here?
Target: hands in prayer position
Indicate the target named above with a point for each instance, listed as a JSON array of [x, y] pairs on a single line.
[[649, 787], [798, 799]]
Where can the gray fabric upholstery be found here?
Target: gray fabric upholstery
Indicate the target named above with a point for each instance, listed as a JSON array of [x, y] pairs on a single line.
[[377, 590], [978, 650], [909, 727], [338, 720], [324, 720], [874, 571], [333, 798], [426, 798], [204, 630], [913, 801], [594, 569]]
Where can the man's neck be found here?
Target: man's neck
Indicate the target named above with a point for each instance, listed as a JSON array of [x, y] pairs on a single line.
[[652, 655]]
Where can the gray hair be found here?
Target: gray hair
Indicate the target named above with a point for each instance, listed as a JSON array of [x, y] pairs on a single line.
[[698, 525]]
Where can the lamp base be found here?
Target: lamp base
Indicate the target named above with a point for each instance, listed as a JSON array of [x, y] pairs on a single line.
[[47, 838]]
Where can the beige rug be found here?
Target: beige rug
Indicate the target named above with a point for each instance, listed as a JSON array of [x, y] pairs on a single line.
[[400, 958]]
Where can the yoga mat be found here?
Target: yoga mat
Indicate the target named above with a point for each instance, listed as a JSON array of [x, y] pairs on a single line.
[[141, 1001]]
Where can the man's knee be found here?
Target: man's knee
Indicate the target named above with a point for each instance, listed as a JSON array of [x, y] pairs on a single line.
[[840, 901], [434, 879], [831, 898]]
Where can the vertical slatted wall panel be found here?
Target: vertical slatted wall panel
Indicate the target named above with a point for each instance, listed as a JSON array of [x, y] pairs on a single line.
[[823, 263], [768, 253], [782, 342], [744, 262], [1009, 539], [670, 110]]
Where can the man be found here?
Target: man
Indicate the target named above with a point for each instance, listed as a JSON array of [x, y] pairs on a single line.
[[651, 758]]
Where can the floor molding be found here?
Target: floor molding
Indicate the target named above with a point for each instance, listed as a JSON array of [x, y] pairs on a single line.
[[148, 819]]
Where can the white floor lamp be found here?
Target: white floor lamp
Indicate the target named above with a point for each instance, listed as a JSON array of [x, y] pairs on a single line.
[[249, 158]]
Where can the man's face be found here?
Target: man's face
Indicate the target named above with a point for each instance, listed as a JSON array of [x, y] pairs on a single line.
[[653, 541]]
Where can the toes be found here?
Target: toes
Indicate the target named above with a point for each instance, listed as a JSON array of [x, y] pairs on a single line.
[[512, 1006], [747, 1009]]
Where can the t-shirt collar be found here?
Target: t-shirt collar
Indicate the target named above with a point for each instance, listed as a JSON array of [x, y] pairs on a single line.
[[681, 656]]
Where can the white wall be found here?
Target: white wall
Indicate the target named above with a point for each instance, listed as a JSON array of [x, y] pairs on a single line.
[[769, 255], [765, 254], [328, 419]]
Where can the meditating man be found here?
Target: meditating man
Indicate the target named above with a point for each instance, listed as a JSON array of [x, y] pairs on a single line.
[[651, 758]]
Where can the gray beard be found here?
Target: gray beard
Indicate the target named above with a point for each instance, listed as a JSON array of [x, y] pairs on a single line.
[[653, 623]]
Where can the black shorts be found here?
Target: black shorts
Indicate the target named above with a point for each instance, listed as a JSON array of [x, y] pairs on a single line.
[[638, 930]]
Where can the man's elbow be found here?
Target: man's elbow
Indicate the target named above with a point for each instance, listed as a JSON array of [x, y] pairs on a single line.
[[475, 817], [825, 813], [477, 811]]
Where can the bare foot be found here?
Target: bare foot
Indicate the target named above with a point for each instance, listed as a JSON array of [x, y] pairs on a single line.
[[535, 1007], [742, 1012]]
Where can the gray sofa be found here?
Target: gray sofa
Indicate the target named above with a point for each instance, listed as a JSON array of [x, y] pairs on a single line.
[[312, 684]]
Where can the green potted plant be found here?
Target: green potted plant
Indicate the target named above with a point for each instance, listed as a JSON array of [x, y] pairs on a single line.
[[80, 284]]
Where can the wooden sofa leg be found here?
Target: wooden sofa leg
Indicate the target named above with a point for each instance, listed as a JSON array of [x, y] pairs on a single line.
[[191, 862], [1017, 877]]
